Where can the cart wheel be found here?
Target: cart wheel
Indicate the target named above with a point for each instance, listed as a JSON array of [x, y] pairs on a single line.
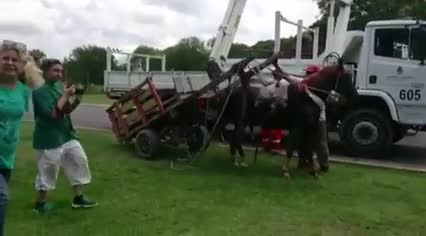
[[197, 139], [147, 143]]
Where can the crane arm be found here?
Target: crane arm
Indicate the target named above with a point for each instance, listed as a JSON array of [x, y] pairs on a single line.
[[336, 31], [227, 31]]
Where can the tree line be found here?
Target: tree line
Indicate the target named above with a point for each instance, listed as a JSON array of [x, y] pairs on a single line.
[[86, 64]]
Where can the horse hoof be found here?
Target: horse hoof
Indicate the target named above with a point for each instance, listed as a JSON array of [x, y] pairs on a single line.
[[244, 164], [286, 175], [324, 169], [314, 174], [236, 164]]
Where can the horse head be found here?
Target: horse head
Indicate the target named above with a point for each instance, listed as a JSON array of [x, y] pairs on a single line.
[[333, 84]]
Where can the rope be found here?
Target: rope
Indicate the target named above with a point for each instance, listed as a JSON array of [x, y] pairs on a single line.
[[191, 157], [222, 111]]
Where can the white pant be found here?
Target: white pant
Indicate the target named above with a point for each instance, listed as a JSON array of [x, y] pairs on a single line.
[[71, 157]]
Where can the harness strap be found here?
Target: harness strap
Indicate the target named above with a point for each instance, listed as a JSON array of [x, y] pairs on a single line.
[[319, 102]]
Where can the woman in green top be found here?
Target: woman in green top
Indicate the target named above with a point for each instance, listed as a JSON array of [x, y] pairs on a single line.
[[55, 140], [13, 105]]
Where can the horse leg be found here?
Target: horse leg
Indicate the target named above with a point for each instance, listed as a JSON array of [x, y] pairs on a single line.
[[301, 157], [239, 147], [286, 166], [243, 162], [236, 148], [301, 161], [307, 161], [290, 146], [306, 150], [310, 153], [233, 142], [287, 159], [298, 144], [233, 151]]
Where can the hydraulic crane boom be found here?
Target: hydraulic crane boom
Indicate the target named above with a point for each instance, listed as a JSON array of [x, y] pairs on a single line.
[[337, 31], [227, 30]]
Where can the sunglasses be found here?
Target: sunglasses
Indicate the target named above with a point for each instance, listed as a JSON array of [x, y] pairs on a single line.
[[9, 44]]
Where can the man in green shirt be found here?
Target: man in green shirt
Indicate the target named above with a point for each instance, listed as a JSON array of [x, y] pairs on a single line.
[[55, 139]]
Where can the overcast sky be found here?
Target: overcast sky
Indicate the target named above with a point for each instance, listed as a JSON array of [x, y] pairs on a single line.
[[57, 26]]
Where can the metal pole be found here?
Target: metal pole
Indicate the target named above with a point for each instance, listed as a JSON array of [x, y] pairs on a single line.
[[277, 45], [163, 63], [128, 63], [299, 40], [108, 58], [316, 43], [147, 64]]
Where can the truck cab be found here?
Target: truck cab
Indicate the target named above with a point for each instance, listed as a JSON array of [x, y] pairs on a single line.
[[390, 78]]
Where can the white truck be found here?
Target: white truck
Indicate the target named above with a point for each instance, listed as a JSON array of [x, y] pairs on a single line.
[[387, 62], [390, 78]]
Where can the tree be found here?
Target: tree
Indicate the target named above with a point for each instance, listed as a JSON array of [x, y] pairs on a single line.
[[239, 50], [37, 55], [86, 64], [363, 11], [188, 54], [263, 49]]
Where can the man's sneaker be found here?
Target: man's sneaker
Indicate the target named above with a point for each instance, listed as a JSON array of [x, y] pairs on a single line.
[[42, 207], [243, 164], [83, 202]]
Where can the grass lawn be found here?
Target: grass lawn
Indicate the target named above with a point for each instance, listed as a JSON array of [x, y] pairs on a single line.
[[96, 98], [139, 197]]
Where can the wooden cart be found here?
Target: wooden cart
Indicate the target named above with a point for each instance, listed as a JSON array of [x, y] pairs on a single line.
[[148, 117]]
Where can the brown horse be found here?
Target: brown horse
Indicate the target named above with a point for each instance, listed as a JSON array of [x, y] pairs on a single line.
[[332, 85]]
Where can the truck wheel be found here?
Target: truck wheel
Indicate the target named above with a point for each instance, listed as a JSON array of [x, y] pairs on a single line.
[[147, 143], [366, 132], [197, 139]]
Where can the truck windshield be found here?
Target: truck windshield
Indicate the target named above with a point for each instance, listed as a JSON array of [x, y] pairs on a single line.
[[392, 43], [402, 43]]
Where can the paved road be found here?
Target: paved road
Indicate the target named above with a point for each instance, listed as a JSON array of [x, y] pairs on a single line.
[[411, 151], [88, 116]]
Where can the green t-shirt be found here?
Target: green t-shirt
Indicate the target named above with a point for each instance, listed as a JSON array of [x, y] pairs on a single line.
[[13, 105], [50, 132]]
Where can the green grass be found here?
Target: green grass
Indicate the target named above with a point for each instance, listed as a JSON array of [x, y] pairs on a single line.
[[139, 197]]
